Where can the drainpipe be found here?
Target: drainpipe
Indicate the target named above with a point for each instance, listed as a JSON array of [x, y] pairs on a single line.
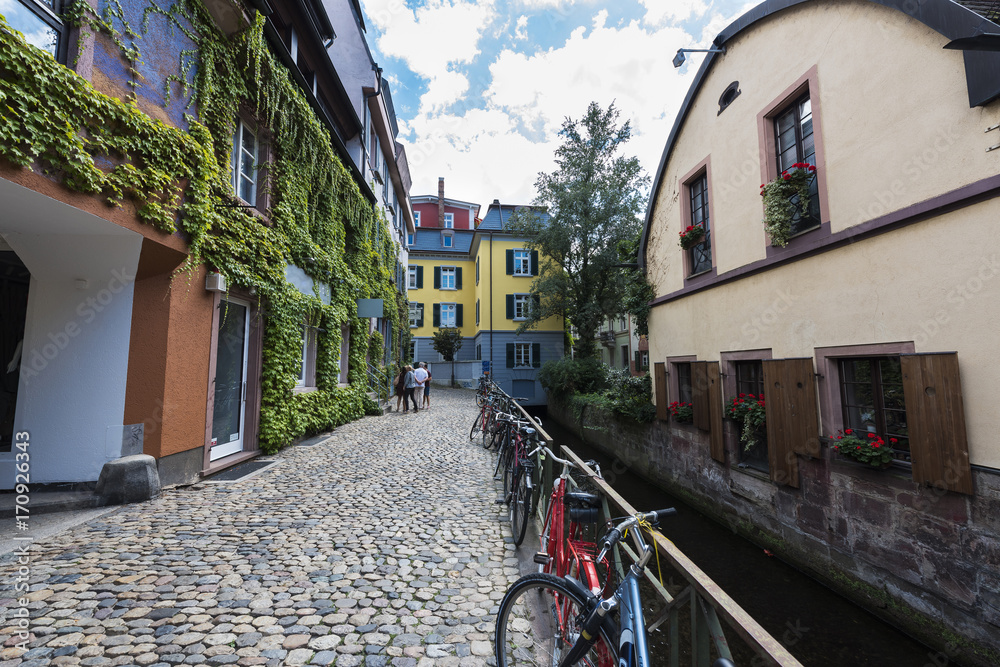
[[492, 370]]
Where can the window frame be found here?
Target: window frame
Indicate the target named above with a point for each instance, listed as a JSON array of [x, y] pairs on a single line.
[[701, 172], [526, 259], [236, 161], [523, 345], [808, 83], [675, 390], [449, 221], [453, 309], [454, 277], [411, 277], [447, 239], [50, 17], [523, 299], [879, 409], [415, 314], [307, 371], [416, 218], [730, 389]]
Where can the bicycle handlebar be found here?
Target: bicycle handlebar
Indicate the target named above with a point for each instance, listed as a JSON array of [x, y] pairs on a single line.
[[566, 462], [614, 535]]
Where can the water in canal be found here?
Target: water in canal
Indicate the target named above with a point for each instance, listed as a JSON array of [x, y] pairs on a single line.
[[819, 627]]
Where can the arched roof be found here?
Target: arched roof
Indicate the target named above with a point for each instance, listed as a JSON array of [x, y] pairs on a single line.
[[950, 19]]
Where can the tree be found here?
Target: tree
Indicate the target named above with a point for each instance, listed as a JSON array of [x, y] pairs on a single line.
[[593, 201], [447, 342]]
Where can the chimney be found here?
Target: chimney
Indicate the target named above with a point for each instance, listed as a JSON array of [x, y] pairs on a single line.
[[441, 202]]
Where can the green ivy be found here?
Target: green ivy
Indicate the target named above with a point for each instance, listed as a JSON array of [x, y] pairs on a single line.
[[55, 122]]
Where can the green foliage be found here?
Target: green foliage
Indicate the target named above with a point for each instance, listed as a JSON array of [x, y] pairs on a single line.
[[871, 449], [778, 208], [631, 397], [593, 199], [748, 409], [565, 376], [55, 122], [638, 292], [447, 342]]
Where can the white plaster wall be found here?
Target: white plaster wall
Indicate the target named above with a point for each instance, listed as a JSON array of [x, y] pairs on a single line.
[[71, 396]]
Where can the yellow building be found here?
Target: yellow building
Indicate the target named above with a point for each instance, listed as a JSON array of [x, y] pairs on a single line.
[[478, 279]]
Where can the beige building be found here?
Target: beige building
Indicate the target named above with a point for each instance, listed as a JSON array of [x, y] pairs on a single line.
[[878, 315]]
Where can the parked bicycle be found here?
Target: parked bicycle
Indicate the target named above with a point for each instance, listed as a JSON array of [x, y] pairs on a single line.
[[568, 516], [518, 473], [548, 620]]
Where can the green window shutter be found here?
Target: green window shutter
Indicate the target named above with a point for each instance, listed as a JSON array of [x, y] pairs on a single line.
[[477, 270], [510, 354], [477, 312], [420, 277], [510, 306], [458, 315], [534, 262], [536, 354], [437, 277], [510, 262], [420, 314], [637, 360], [437, 314], [536, 302], [458, 277]]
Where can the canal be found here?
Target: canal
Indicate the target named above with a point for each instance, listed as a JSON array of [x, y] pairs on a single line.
[[819, 627]]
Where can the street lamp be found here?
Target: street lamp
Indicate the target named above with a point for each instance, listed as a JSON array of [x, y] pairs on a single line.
[[679, 58]]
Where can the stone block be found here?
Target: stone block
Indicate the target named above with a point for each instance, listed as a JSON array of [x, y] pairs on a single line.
[[130, 479]]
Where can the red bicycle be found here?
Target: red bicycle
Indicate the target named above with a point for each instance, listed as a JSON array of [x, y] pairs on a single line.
[[564, 551]]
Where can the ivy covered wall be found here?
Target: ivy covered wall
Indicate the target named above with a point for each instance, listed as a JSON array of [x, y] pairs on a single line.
[[177, 179]]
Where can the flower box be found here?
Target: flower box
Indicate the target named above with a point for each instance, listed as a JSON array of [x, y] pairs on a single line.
[[786, 201], [691, 236]]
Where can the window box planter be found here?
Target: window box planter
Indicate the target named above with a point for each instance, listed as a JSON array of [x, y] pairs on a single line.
[[786, 203], [867, 449], [692, 236]]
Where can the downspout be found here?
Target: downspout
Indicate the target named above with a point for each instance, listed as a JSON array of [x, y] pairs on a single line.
[[492, 370]]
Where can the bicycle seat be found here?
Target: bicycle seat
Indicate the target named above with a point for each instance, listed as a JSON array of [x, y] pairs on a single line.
[[588, 499], [529, 431]]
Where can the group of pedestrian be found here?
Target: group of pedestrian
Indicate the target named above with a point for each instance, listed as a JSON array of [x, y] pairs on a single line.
[[413, 385]]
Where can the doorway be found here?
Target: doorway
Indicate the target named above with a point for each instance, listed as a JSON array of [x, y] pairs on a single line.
[[232, 348], [14, 280]]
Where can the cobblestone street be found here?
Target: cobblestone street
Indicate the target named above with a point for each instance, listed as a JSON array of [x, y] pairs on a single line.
[[381, 545]]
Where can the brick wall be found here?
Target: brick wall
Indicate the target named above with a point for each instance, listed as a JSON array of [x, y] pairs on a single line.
[[926, 560]]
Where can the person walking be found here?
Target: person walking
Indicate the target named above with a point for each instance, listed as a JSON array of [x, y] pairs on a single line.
[[427, 386], [421, 375], [411, 384], [399, 385]]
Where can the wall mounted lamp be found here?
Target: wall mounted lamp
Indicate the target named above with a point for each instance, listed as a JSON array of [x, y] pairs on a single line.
[[679, 58]]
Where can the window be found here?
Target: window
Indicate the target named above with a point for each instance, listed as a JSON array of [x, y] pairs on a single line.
[[477, 312], [446, 240], [624, 356], [409, 239], [622, 323], [521, 306], [411, 277], [794, 142], [477, 270], [871, 393], [522, 263], [448, 315], [522, 354], [750, 380], [413, 351], [373, 151], [40, 24], [307, 369], [479, 352], [449, 221], [700, 255], [447, 277], [683, 371], [416, 218], [416, 315], [644, 362], [245, 163]]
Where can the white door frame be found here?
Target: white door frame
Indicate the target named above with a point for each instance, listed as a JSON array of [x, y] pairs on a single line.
[[220, 450]]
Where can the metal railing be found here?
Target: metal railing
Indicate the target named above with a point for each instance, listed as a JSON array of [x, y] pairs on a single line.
[[705, 603], [378, 381]]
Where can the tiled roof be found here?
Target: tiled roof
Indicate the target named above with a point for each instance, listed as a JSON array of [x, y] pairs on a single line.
[[429, 240], [498, 216], [988, 8]]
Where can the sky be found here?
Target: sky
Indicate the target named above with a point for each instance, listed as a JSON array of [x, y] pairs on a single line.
[[482, 87]]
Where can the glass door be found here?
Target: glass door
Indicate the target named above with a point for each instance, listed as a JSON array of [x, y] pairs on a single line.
[[230, 379]]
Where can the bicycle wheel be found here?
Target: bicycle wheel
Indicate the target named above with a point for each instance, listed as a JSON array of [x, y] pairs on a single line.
[[488, 423], [476, 425], [502, 449], [520, 505], [538, 623]]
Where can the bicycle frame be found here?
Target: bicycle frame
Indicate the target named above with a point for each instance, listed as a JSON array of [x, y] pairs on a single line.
[[633, 647]]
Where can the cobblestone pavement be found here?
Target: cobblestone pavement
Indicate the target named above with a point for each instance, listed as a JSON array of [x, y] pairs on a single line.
[[380, 546]]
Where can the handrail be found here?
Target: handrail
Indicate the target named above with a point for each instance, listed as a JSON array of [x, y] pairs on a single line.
[[378, 381], [759, 640]]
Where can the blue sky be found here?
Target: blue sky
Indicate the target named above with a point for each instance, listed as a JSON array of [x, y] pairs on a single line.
[[481, 87]]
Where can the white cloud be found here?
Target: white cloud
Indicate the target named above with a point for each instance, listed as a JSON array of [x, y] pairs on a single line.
[[521, 32], [444, 89], [658, 11]]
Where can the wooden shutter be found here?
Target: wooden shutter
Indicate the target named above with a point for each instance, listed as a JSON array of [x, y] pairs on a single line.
[[717, 445], [420, 314], [536, 354], [510, 306], [935, 417], [510, 355], [534, 262], [790, 404], [510, 262], [660, 379], [477, 270], [458, 277], [458, 315], [437, 314], [420, 277], [790, 416], [437, 277], [700, 396], [536, 299], [477, 312]]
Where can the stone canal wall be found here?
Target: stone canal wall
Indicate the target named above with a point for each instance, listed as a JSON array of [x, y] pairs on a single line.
[[925, 560]]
